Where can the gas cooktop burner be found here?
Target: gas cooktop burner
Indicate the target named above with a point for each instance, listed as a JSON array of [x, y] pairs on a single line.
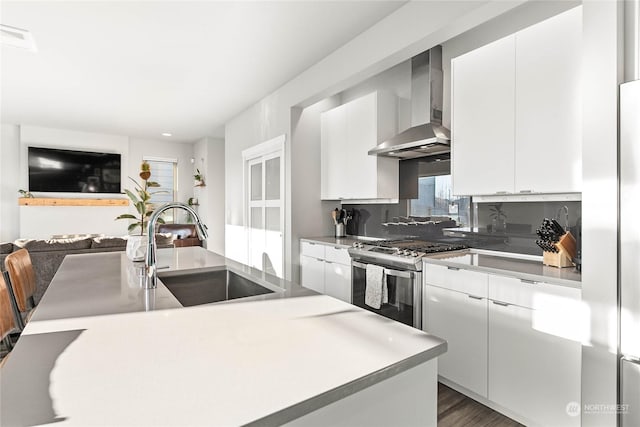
[[421, 246], [407, 253]]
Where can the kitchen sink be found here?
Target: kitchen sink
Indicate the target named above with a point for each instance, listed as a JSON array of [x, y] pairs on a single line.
[[195, 288]]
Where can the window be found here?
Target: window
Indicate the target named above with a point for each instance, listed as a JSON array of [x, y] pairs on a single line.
[[435, 198], [164, 172]]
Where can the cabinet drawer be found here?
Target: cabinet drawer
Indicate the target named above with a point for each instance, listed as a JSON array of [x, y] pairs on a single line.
[[337, 254], [461, 280], [315, 250], [535, 295]]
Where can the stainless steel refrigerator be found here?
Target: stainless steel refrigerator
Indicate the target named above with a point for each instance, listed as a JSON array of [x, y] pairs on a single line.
[[630, 254]]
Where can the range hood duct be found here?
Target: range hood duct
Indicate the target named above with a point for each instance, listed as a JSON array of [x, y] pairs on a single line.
[[426, 136]]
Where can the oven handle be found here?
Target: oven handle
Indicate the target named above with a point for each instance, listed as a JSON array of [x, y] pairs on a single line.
[[387, 271]]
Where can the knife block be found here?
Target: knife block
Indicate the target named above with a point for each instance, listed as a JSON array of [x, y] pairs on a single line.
[[565, 255]]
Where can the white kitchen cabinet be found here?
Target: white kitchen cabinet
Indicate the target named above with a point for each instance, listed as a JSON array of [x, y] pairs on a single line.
[[333, 130], [326, 269], [456, 310], [483, 119], [515, 343], [534, 349], [337, 280], [312, 273], [548, 110], [461, 319], [516, 116], [348, 132]]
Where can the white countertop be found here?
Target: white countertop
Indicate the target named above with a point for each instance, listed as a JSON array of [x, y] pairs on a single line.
[[268, 359]]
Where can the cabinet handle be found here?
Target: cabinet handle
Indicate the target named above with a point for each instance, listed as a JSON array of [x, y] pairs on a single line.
[[474, 297], [452, 268], [337, 247], [328, 262], [530, 282], [526, 191], [320, 259], [503, 304], [502, 192], [310, 243]]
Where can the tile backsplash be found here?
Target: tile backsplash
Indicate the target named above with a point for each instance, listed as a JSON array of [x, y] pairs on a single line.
[[511, 226], [507, 226]]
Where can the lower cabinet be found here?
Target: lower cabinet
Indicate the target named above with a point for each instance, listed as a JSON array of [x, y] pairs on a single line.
[[337, 280], [326, 269], [517, 345], [461, 319], [312, 273], [534, 359]]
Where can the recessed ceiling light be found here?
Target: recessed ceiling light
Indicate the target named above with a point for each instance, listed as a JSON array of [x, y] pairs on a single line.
[[166, 134], [17, 37]]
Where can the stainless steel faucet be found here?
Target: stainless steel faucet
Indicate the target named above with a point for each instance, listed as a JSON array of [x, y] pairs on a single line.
[[150, 260]]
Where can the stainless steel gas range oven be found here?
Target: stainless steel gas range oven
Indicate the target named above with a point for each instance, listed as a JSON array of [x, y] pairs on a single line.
[[401, 263]]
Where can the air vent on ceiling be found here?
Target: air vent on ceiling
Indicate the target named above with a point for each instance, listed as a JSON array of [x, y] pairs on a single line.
[[17, 37]]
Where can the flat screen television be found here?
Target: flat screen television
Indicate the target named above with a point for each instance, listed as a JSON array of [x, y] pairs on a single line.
[[70, 171]]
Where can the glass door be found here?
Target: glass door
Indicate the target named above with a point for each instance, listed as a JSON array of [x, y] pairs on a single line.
[[265, 212]]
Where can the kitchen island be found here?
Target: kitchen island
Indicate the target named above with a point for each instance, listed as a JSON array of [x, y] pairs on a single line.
[[102, 350]]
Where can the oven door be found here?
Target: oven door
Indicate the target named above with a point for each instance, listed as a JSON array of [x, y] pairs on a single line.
[[405, 296]]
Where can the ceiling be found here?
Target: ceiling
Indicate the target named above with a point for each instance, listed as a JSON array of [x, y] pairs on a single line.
[[144, 68]]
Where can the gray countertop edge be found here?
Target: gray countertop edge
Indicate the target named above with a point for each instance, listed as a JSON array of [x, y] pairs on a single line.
[[317, 402], [511, 273], [343, 242], [347, 242]]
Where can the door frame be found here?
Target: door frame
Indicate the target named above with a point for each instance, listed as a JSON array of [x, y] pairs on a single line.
[[274, 147]]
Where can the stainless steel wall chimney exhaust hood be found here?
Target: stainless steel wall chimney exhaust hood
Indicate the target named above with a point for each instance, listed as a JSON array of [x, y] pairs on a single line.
[[426, 136]]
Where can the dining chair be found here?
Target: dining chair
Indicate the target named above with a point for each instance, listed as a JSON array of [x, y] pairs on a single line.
[[7, 315], [23, 283]]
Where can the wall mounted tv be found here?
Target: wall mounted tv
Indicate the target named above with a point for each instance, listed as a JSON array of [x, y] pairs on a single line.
[[69, 171]]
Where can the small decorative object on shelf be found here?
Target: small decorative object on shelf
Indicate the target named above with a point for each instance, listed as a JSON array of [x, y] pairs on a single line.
[[198, 179], [193, 201], [136, 244], [498, 218], [25, 193]]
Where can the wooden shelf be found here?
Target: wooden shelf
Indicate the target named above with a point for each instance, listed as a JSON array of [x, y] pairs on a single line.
[[46, 201]]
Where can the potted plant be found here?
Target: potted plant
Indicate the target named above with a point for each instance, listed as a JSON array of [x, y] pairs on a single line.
[[198, 179], [498, 218], [140, 197], [26, 194]]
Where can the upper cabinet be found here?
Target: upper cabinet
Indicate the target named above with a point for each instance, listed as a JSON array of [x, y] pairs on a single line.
[[348, 132], [516, 122], [483, 122]]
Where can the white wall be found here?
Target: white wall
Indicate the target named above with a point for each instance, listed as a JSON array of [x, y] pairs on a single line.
[[602, 73], [309, 215], [9, 183], [412, 29], [209, 158], [44, 221]]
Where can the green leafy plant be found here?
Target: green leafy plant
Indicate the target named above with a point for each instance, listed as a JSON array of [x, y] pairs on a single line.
[[140, 197], [496, 212], [198, 178], [25, 193]]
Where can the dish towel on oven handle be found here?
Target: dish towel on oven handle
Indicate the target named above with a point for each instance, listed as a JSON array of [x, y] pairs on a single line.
[[376, 292]]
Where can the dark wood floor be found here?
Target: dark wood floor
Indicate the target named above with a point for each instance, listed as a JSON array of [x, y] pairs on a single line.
[[455, 409]]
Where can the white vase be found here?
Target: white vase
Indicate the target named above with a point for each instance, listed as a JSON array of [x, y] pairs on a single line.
[[136, 247]]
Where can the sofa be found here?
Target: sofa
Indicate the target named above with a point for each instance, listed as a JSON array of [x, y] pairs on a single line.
[[47, 255], [183, 234]]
